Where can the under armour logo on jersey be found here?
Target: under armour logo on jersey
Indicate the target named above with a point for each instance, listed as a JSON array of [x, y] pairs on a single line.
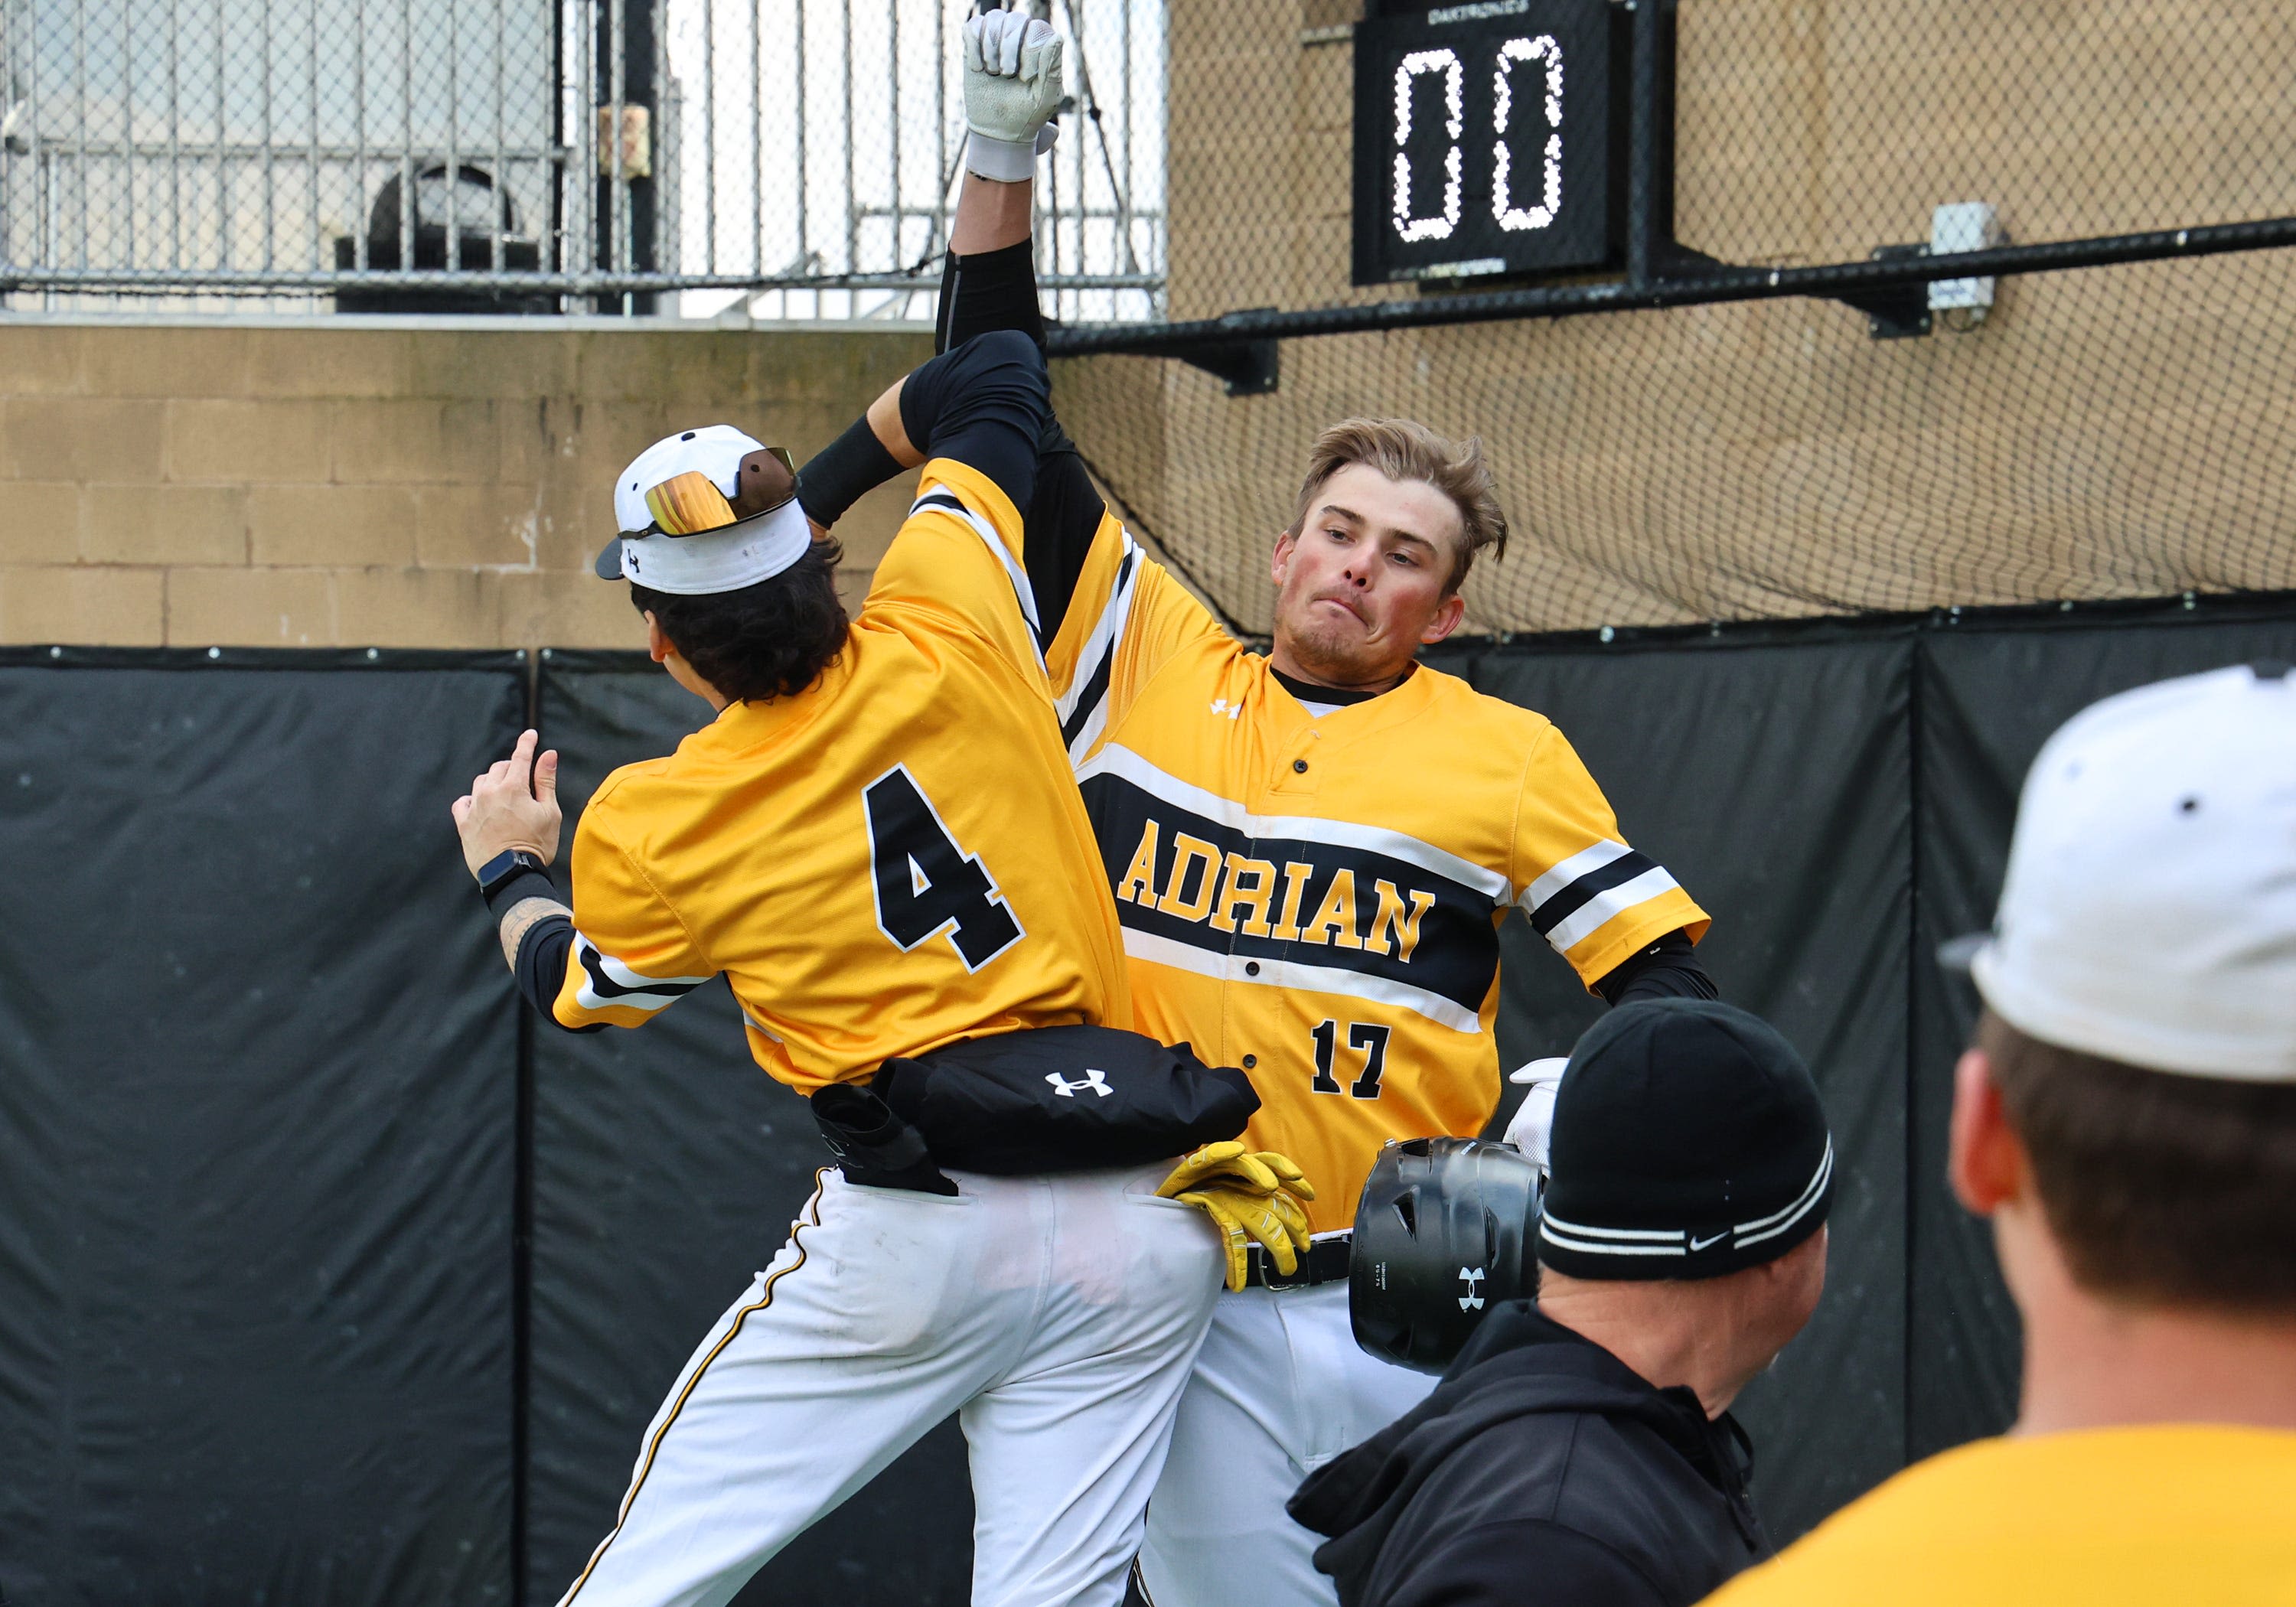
[[1222, 706], [1092, 1078], [1472, 1300]]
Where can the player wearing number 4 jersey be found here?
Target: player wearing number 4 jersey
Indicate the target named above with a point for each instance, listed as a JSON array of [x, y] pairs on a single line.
[[1311, 853], [877, 843]]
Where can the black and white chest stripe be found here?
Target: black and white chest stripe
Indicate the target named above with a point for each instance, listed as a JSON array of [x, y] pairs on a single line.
[[1202, 884]]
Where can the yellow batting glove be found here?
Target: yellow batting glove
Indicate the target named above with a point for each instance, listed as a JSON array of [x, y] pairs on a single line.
[[1294, 1181], [1233, 1167], [1252, 1198], [1272, 1220]]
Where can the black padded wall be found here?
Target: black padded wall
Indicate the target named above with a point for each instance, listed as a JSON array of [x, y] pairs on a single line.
[[1774, 781], [1841, 797], [261, 1332], [1990, 692], [668, 1168], [256, 1133]]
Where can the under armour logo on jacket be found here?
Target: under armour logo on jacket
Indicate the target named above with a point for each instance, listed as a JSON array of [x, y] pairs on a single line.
[[1092, 1078], [1472, 1300], [1222, 706]]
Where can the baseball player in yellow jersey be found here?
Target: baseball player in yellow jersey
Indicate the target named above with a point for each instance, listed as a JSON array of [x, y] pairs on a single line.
[[877, 843], [1310, 853]]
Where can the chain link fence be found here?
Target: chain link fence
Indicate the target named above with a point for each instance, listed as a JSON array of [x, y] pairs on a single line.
[[1745, 398], [796, 157]]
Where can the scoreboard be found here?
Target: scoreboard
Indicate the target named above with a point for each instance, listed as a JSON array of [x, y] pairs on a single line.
[[1491, 139]]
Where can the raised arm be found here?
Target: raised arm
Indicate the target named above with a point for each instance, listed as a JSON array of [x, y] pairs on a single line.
[[982, 404], [988, 284], [989, 278]]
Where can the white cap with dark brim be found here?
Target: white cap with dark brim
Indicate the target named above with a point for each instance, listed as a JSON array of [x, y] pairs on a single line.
[[767, 529], [2148, 911]]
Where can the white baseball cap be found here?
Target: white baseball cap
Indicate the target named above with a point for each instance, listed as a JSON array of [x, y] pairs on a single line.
[[2149, 913], [703, 511]]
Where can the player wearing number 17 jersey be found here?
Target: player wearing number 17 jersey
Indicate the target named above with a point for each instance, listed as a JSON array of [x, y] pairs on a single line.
[[877, 842], [1310, 878], [1311, 853]]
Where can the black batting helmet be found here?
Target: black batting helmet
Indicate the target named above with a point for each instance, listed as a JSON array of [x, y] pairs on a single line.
[[1446, 1227]]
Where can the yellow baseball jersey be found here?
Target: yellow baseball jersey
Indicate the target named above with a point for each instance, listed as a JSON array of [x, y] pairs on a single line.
[[895, 859], [1316, 897], [2195, 1514]]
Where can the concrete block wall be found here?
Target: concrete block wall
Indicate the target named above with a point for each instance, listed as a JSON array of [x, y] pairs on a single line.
[[239, 484]]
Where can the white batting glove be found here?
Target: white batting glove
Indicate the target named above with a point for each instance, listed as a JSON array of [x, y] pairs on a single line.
[[1012, 85], [1534, 1118]]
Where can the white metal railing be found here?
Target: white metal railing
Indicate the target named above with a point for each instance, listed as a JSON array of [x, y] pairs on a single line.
[[798, 157]]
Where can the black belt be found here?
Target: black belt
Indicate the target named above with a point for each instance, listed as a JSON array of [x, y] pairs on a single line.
[[1325, 1262]]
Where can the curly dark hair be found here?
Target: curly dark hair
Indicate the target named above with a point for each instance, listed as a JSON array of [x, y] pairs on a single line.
[[765, 640]]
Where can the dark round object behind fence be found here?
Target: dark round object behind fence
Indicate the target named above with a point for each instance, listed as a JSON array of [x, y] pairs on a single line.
[[1444, 1230]]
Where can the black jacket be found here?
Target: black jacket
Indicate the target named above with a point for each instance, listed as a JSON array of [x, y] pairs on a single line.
[[1541, 1470]]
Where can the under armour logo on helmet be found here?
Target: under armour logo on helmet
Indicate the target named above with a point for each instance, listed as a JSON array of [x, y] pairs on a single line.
[[1094, 1079], [1472, 1300]]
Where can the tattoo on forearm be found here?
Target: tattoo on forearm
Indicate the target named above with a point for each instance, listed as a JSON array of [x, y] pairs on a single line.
[[521, 918]]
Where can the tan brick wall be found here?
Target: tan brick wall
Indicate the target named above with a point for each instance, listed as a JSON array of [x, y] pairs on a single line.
[[239, 485]]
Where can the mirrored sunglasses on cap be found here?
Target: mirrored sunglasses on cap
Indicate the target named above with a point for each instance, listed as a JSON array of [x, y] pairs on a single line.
[[692, 504]]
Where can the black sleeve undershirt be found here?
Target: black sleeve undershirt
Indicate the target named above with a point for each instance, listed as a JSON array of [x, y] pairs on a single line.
[[984, 404], [988, 292], [997, 289], [1669, 969], [544, 952]]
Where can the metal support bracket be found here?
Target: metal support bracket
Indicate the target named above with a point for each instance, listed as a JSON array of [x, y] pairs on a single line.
[[1901, 313], [1249, 367], [1675, 260]]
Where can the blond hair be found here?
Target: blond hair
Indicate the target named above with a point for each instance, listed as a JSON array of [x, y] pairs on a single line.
[[1404, 449]]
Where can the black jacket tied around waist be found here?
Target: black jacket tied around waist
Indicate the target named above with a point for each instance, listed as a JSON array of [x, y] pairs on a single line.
[[1064, 1099]]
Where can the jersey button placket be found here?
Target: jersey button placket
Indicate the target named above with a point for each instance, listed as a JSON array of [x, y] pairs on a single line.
[[1291, 770]]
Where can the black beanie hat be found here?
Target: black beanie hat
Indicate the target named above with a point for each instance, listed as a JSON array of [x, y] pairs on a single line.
[[1688, 1142]]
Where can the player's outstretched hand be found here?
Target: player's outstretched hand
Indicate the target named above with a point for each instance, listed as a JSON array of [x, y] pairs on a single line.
[[515, 805], [1012, 85], [1252, 1197]]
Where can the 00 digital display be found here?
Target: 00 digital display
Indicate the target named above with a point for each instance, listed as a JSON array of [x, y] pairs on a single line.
[[1491, 139]]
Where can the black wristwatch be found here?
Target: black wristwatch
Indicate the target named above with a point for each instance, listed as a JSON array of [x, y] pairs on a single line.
[[497, 874]]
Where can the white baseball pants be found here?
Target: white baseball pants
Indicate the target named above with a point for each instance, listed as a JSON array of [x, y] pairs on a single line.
[[1057, 1315], [1280, 1387]]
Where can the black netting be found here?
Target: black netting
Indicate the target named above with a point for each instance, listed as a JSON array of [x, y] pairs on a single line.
[[2110, 432]]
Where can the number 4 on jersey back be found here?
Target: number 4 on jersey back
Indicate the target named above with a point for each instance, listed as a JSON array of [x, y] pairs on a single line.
[[925, 884]]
